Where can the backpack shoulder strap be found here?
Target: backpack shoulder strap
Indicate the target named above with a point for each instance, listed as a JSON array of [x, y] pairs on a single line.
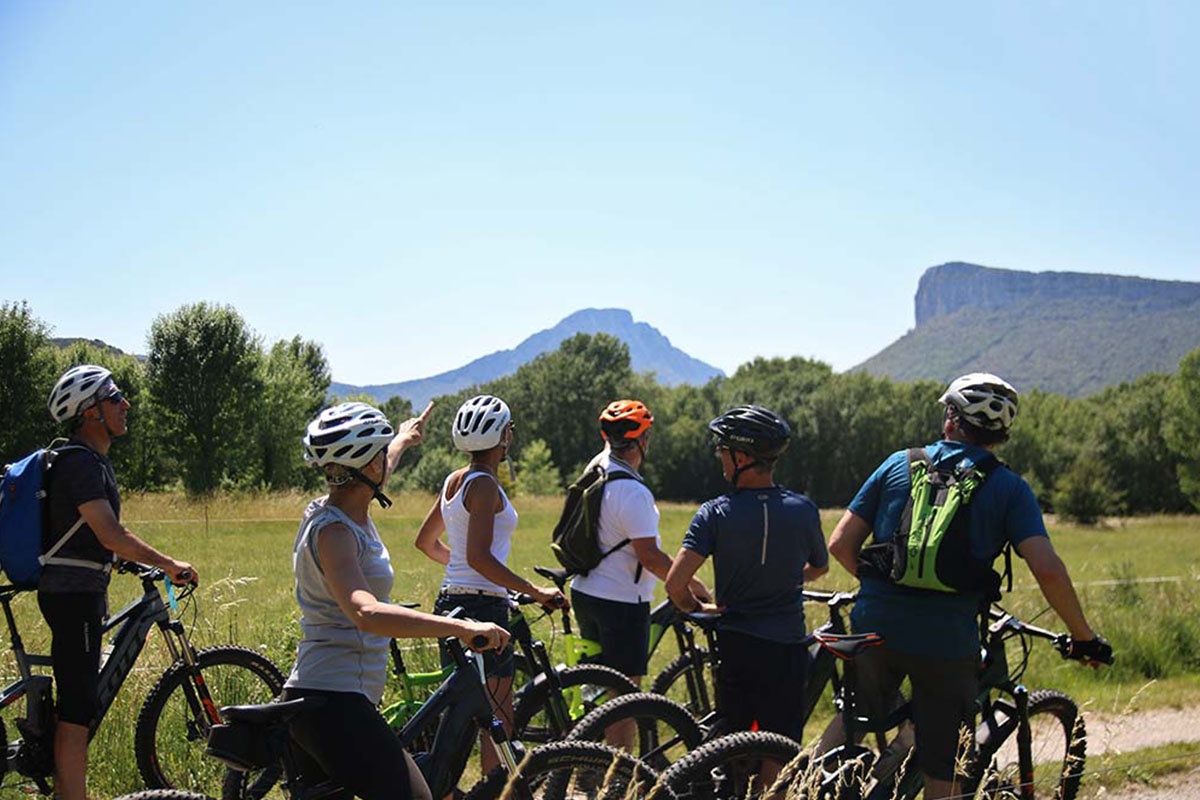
[[51, 453]]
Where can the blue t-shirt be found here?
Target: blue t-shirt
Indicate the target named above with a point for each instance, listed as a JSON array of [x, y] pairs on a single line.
[[1004, 510], [760, 541]]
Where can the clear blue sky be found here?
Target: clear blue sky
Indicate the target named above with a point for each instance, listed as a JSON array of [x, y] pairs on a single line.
[[415, 185]]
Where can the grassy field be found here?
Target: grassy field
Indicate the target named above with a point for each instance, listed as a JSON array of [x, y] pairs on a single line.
[[242, 549]]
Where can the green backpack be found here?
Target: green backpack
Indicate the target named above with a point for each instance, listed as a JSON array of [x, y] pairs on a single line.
[[576, 538], [931, 549]]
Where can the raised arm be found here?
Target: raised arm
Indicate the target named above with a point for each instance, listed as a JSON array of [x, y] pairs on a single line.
[[409, 433]]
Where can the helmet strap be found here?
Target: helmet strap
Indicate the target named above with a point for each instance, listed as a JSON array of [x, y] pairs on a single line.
[[376, 488]]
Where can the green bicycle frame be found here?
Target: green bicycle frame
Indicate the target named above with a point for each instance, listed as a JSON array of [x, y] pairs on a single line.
[[402, 710]]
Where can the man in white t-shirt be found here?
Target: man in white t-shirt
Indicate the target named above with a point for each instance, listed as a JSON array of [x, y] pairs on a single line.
[[612, 602]]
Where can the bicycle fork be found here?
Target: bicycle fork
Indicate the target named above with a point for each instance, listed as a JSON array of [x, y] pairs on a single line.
[[199, 699], [1024, 743]]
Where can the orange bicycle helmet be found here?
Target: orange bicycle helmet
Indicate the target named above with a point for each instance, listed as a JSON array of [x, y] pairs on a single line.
[[625, 419]]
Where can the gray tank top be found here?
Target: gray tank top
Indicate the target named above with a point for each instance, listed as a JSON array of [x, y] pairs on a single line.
[[333, 654]]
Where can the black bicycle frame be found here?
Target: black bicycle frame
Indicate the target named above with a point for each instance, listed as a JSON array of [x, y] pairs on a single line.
[[134, 623]]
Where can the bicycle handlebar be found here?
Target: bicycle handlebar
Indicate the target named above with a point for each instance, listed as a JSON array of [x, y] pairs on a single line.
[[835, 599]]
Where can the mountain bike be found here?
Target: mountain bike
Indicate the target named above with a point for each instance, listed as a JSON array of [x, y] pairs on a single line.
[[687, 678], [177, 712], [253, 743], [1026, 744], [547, 707], [668, 729]]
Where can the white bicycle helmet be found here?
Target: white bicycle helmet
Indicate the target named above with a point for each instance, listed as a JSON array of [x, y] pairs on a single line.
[[350, 434], [984, 400], [479, 423], [76, 391]]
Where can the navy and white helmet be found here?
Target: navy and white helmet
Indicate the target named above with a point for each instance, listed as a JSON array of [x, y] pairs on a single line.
[[984, 400], [479, 423], [349, 434], [77, 390]]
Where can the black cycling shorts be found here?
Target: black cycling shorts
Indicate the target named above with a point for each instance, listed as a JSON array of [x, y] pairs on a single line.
[[346, 740], [622, 629], [943, 700], [762, 681], [75, 619], [481, 608]]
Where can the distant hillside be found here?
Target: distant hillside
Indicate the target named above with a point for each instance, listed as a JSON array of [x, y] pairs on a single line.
[[649, 350], [1068, 332], [64, 343]]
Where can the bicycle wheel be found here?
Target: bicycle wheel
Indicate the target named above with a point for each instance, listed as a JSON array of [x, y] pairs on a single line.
[[172, 727], [562, 770], [672, 682], [665, 731], [596, 684], [732, 768], [1059, 747]]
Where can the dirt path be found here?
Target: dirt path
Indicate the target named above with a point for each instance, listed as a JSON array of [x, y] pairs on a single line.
[[1113, 733], [1181, 786]]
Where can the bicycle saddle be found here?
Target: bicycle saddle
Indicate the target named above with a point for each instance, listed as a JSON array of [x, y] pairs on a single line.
[[559, 576], [268, 713], [702, 618], [848, 646]]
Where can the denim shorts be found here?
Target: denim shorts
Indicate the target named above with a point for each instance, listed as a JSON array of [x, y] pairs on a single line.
[[481, 608]]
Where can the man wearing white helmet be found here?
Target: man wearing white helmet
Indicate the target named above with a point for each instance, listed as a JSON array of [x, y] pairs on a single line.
[[932, 636], [82, 496], [479, 522], [343, 580]]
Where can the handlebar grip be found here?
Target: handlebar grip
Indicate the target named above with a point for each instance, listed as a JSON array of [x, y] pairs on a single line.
[[559, 602], [186, 576], [479, 641]]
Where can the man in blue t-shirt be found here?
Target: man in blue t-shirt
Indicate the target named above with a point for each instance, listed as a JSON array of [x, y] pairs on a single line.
[[765, 542], [932, 637]]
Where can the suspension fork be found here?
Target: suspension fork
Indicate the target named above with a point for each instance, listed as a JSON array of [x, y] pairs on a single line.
[[1024, 742], [694, 677], [195, 691]]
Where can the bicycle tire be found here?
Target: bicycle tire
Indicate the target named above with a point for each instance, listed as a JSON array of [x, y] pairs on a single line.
[[1059, 750], [530, 702], [671, 681], [665, 729], [169, 741], [164, 794], [551, 771], [720, 770]]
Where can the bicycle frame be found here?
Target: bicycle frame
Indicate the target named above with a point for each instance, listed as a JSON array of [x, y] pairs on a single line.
[[468, 709], [458, 707], [132, 624], [398, 713]]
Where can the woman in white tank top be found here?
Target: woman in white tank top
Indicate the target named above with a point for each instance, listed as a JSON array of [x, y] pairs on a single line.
[[479, 521]]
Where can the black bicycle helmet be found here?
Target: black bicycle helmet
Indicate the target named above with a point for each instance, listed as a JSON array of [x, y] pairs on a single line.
[[753, 430]]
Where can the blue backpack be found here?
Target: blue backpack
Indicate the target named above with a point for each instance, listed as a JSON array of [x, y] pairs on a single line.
[[22, 513]]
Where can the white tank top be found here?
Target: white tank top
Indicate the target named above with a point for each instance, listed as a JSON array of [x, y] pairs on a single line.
[[456, 516]]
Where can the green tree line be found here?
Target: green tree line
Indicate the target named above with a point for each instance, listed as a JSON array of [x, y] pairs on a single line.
[[215, 408]]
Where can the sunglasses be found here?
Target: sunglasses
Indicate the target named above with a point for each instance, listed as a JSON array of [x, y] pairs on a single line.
[[115, 397]]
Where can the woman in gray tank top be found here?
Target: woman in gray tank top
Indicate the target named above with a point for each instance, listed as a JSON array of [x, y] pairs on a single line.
[[343, 580]]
